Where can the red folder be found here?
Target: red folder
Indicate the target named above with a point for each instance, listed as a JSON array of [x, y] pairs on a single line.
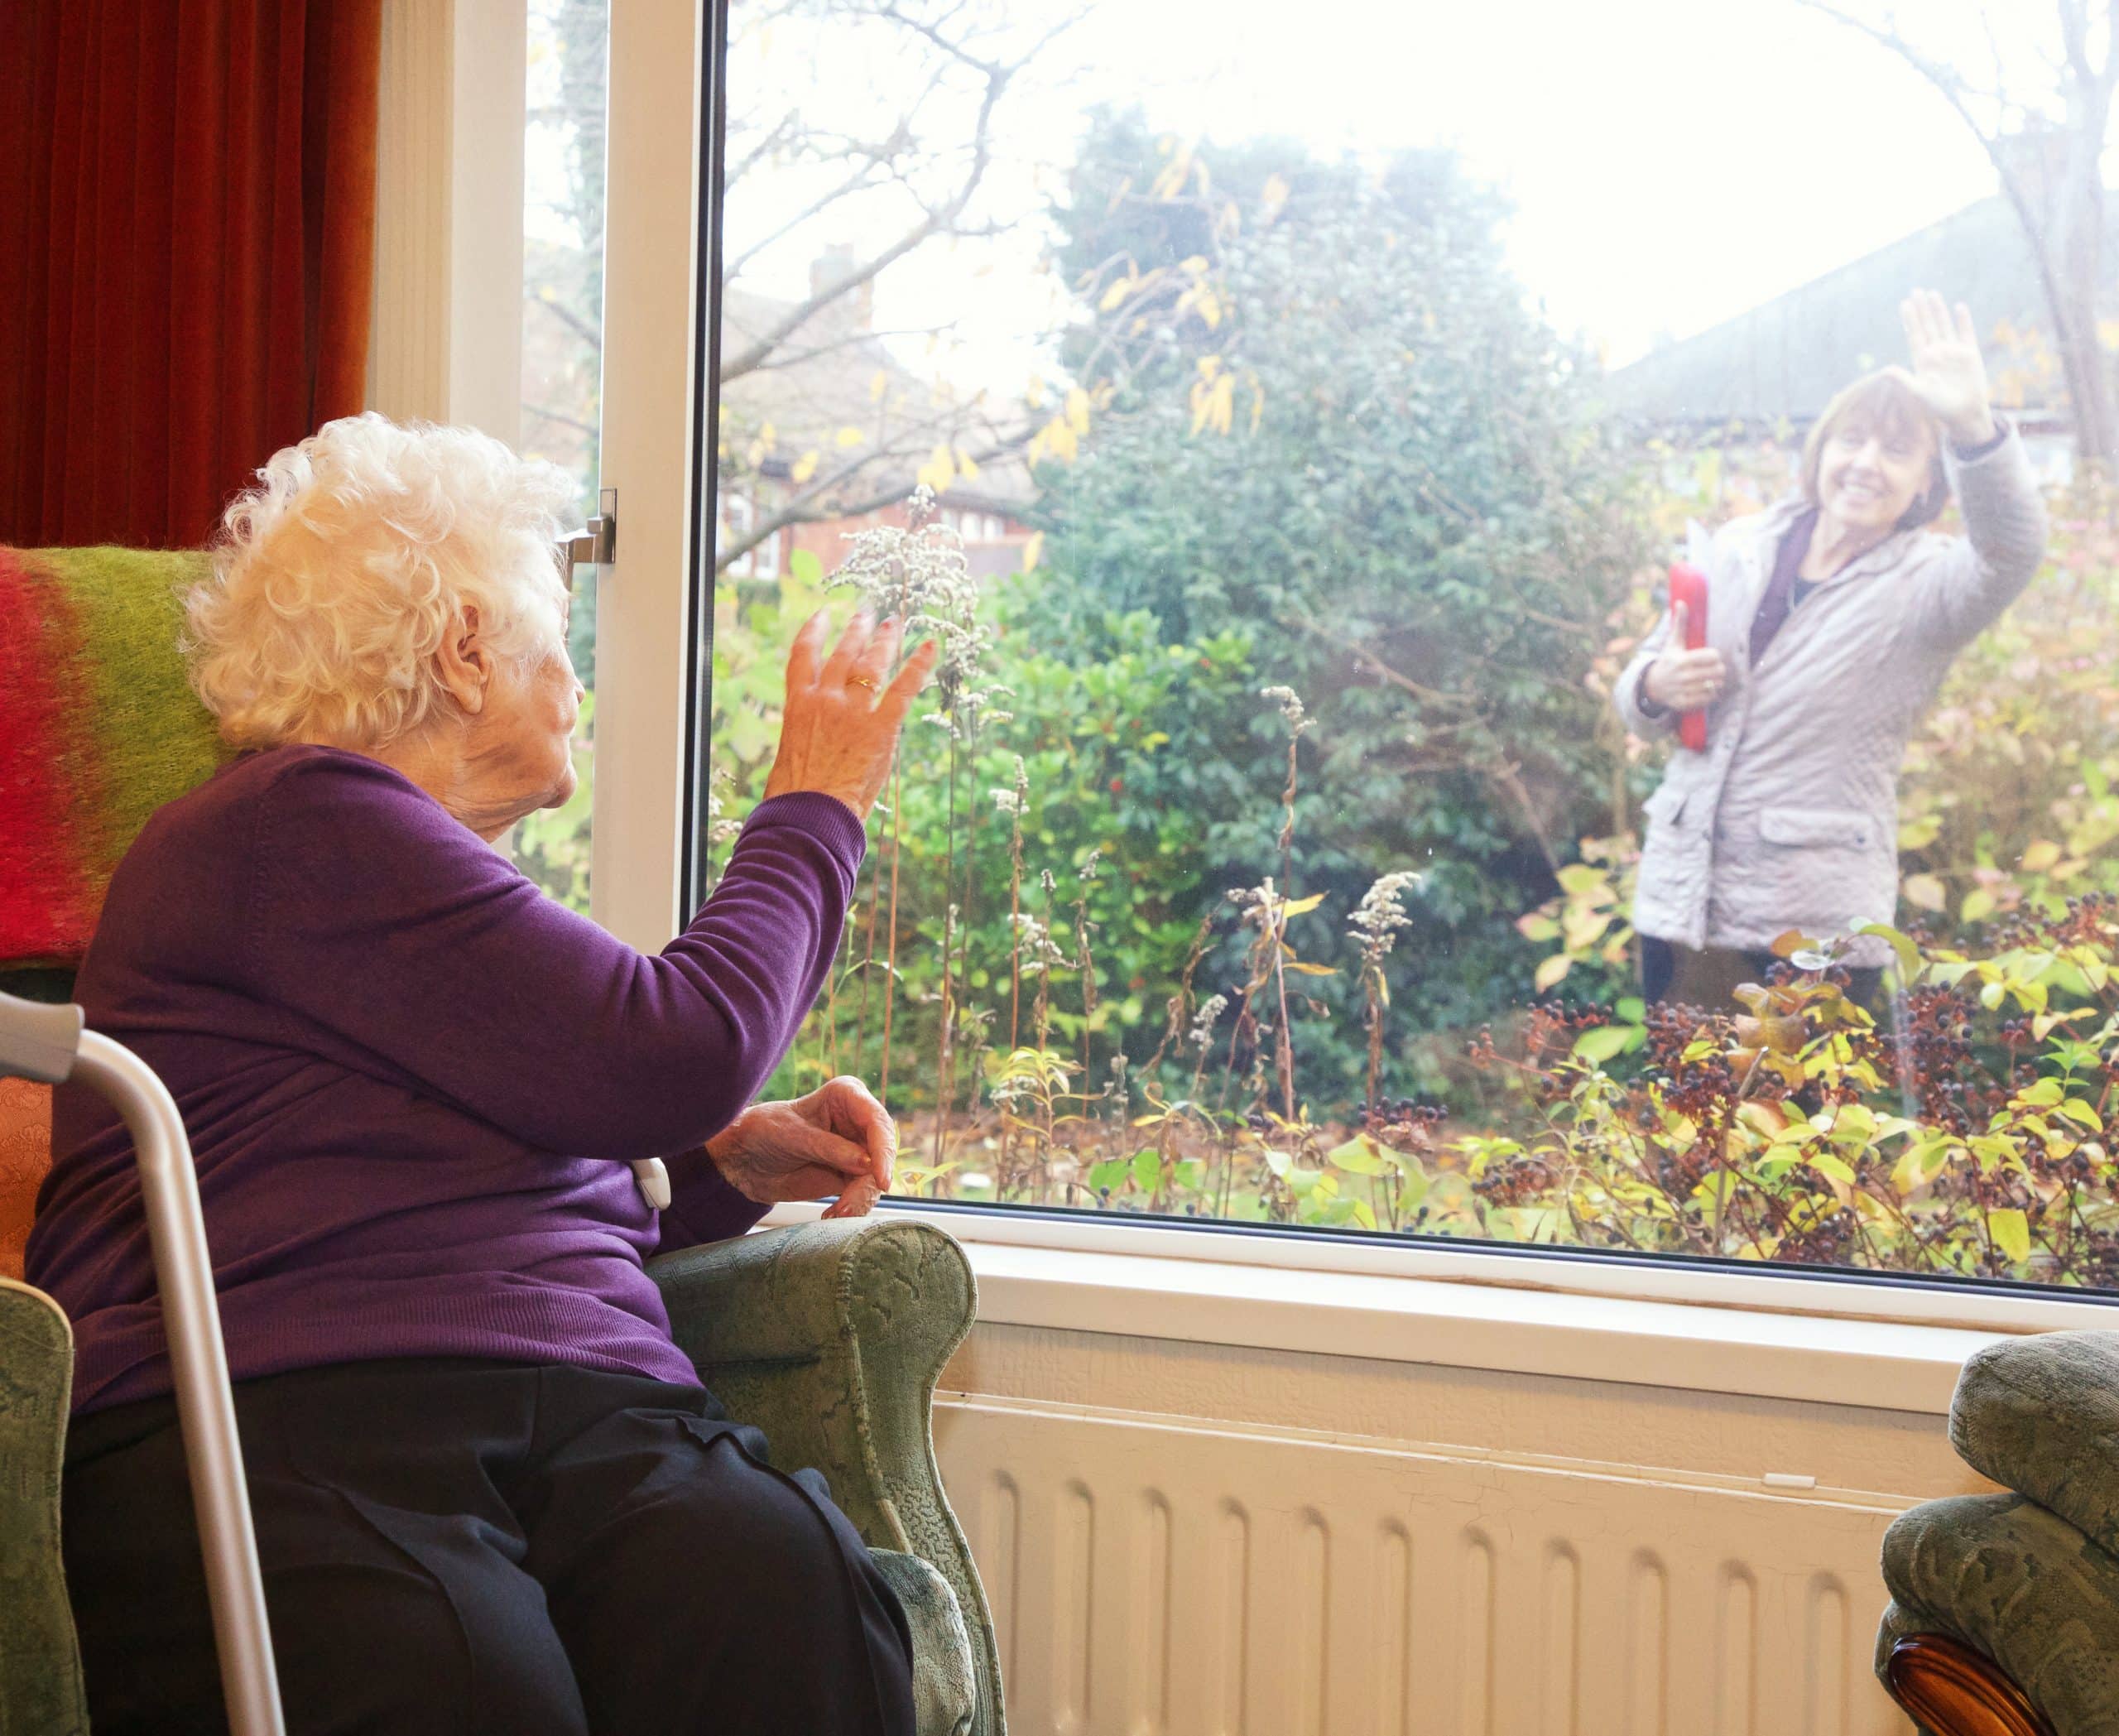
[[1689, 587]]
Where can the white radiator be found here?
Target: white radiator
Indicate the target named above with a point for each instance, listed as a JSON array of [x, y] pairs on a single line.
[[1153, 1574]]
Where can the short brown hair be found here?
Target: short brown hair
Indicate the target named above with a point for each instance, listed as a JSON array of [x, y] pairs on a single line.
[[1885, 399]]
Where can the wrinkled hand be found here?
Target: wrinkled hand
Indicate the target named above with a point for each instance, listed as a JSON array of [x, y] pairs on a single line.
[[1685, 680], [1948, 374], [839, 728], [837, 1140]]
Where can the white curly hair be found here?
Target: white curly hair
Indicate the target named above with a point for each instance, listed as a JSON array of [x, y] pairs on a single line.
[[337, 577]]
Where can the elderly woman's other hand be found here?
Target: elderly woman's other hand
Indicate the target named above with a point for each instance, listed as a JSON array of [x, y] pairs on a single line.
[[837, 1140], [1950, 375], [840, 724]]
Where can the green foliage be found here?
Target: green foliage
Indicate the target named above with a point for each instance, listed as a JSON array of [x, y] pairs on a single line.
[[2007, 802], [1119, 758], [1410, 508], [1964, 1138]]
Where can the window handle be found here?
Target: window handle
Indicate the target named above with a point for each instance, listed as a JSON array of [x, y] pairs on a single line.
[[599, 541]]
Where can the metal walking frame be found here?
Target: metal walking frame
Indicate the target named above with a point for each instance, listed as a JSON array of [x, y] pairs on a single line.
[[50, 1045]]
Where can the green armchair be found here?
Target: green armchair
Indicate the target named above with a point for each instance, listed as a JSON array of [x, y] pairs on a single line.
[[2004, 1618], [828, 1336]]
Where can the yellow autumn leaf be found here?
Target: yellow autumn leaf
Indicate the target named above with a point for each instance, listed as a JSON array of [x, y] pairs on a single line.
[[878, 384], [1170, 182], [1272, 197], [1034, 396], [768, 437], [851, 436], [966, 465], [1201, 300], [1119, 291], [938, 472], [1196, 265], [1549, 973], [1925, 891], [1078, 410], [1033, 551], [2040, 855], [1303, 906], [805, 466], [2012, 1233]]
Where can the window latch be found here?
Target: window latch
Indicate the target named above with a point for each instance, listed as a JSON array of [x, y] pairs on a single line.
[[599, 542]]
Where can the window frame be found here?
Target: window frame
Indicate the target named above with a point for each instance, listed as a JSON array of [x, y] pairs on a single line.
[[668, 106]]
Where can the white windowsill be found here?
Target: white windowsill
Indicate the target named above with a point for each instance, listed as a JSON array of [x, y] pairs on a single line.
[[1702, 1331]]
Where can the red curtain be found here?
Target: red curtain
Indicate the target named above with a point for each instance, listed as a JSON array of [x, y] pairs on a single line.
[[187, 220]]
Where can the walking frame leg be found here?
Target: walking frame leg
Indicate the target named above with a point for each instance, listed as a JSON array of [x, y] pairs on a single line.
[[48, 1043]]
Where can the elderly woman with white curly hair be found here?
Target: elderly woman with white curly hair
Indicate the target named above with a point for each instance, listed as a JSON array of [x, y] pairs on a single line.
[[439, 1122]]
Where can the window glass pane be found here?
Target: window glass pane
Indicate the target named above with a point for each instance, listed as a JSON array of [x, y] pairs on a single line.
[[563, 357], [1308, 441]]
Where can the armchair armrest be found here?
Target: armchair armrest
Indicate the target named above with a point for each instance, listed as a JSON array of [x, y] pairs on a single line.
[[829, 1337], [2020, 1586], [2039, 1415], [39, 1662]]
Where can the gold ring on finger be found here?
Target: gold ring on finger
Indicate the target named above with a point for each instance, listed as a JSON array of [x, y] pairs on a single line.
[[863, 681]]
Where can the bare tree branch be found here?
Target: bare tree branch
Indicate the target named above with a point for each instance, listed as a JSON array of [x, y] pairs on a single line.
[[810, 505], [2082, 357], [565, 421], [935, 222], [588, 330], [767, 141], [794, 357], [940, 218]]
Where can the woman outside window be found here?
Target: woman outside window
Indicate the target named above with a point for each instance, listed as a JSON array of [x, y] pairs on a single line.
[[1833, 618]]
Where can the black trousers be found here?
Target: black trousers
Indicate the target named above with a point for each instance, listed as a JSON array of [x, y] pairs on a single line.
[[472, 1546], [1709, 979]]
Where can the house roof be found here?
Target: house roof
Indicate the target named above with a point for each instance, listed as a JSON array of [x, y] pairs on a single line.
[[1786, 357], [834, 373]]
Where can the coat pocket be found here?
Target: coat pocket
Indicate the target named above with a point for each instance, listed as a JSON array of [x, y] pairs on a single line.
[[1817, 828]]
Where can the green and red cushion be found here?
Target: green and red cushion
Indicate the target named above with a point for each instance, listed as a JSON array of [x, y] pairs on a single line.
[[98, 727]]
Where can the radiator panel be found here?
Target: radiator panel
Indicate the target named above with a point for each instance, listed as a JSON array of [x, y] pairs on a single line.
[[1161, 1576]]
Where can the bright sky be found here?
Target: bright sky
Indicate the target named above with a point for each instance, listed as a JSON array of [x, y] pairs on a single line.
[[1671, 162]]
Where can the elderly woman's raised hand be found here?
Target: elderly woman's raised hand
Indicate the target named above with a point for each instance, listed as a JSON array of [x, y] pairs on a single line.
[[1948, 374], [840, 725], [837, 1140]]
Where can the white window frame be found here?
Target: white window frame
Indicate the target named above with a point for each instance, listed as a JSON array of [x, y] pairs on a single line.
[[642, 624]]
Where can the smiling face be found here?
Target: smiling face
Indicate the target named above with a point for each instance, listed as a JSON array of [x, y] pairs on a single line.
[[1870, 475], [1874, 459]]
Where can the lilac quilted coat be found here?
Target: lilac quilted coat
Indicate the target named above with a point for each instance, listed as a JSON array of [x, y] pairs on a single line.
[[1790, 818]]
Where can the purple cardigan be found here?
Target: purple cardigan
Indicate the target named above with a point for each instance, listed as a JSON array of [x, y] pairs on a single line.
[[396, 1057]]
